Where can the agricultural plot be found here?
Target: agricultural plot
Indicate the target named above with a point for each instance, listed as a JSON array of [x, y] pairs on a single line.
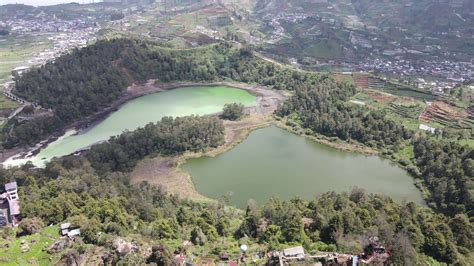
[[6, 104], [410, 111], [366, 99], [405, 92], [18, 50], [404, 110], [381, 97], [399, 89], [448, 115], [28, 250]]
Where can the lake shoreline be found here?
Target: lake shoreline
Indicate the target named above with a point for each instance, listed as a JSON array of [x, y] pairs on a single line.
[[174, 180], [269, 96], [166, 171], [187, 188]]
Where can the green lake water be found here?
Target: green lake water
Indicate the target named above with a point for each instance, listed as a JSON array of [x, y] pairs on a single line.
[[141, 111], [270, 162], [275, 162]]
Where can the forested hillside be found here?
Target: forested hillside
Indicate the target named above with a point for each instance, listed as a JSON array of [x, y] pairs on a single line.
[[318, 104], [167, 137], [106, 206], [94, 192], [445, 167], [84, 82]]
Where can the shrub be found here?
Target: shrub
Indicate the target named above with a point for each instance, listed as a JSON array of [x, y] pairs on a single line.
[[233, 111], [29, 226]]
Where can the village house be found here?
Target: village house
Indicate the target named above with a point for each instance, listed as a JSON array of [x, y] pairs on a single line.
[[19, 71], [9, 205], [67, 231], [429, 129]]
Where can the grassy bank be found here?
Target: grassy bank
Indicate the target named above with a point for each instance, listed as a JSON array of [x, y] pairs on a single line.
[[29, 250], [166, 171]]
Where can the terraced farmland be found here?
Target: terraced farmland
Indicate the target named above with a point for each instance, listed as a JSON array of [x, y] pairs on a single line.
[[448, 115], [409, 111]]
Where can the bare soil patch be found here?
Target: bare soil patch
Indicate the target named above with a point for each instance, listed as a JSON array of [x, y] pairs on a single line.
[[165, 171], [381, 97], [162, 171], [447, 115]]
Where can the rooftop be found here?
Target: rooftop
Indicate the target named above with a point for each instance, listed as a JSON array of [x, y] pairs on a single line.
[[11, 185], [14, 206], [20, 68], [294, 251]]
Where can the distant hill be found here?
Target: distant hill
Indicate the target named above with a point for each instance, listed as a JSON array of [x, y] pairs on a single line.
[[428, 15], [15, 8]]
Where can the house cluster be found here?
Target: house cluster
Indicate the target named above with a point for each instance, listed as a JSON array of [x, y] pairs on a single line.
[[65, 32], [375, 252], [65, 41], [9, 205], [42, 22], [436, 87], [455, 72], [275, 21]]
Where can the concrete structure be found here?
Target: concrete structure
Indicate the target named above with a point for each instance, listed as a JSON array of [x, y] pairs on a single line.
[[12, 190], [67, 231], [65, 228], [10, 203], [18, 71], [294, 253], [74, 232], [424, 127]]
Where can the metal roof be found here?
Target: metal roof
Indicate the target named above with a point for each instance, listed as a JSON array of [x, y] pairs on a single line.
[[74, 232], [294, 251], [14, 207], [11, 185], [65, 225]]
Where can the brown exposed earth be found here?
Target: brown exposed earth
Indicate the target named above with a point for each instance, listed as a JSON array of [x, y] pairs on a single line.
[[267, 100], [381, 97], [445, 114], [161, 171], [165, 172]]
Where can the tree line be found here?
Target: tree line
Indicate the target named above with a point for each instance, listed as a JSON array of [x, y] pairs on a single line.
[[445, 167], [85, 81], [94, 191], [167, 137], [108, 205]]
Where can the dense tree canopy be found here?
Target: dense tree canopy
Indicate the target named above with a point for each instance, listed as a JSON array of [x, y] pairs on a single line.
[[169, 136], [94, 191], [233, 111], [447, 169], [82, 83], [108, 203]]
